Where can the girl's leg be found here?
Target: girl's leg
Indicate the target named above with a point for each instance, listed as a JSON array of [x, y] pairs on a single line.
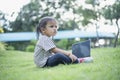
[[58, 58]]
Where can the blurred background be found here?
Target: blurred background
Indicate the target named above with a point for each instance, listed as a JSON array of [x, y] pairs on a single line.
[[96, 20]]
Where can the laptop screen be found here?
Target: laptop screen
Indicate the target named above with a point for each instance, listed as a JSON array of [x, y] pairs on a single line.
[[81, 49]]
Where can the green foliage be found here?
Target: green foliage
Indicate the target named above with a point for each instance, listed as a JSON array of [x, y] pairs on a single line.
[[19, 45], [33, 42], [112, 12], [2, 46], [10, 48], [1, 29], [65, 43], [4, 26], [30, 48], [27, 18], [17, 65], [62, 43], [31, 13]]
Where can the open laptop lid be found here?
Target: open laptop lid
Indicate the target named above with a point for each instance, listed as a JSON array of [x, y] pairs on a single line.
[[81, 49]]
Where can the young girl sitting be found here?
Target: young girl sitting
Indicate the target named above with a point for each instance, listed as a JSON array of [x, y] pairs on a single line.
[[46, 53]]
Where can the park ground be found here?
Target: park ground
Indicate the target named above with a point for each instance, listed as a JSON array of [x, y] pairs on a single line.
[[18, 65]]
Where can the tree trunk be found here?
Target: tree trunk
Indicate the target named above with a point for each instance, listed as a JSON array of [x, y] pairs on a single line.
[[97, 33], [116, 38]]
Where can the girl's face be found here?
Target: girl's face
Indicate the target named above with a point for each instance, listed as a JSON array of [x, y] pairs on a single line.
[[50, 29]]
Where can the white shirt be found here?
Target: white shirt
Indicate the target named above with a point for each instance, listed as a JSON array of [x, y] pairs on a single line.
[[42, 50]]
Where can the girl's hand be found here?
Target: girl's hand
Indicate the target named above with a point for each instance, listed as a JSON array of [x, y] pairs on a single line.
[[73, 57]]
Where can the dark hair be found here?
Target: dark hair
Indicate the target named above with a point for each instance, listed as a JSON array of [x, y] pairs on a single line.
[[42, 24]]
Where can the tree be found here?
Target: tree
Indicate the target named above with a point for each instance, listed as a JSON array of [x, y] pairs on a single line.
[[31, 13], [4, 22], [27, 17], [111, 13], [92, 15]]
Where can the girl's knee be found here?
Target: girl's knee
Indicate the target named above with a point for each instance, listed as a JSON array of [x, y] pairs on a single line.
[[60, 54]]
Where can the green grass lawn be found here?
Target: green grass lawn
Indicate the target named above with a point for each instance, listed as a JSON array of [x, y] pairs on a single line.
[[17, 65]]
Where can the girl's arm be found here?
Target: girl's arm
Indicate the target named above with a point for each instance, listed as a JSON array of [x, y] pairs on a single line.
[[73, 57], [55, 50]]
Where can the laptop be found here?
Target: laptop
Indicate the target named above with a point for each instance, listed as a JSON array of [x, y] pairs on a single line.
[[81, 49]]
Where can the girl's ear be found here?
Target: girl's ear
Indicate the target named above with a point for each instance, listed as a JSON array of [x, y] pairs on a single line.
[[42, 30]]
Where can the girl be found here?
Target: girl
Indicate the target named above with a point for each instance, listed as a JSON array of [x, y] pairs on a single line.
[[46, 53]]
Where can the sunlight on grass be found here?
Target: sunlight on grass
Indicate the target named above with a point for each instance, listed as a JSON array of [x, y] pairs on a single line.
[[17, 65]]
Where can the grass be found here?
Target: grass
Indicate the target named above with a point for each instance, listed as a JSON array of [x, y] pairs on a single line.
[[17, 65]]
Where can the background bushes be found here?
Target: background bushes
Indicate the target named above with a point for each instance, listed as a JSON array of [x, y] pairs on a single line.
[[2, 46]]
